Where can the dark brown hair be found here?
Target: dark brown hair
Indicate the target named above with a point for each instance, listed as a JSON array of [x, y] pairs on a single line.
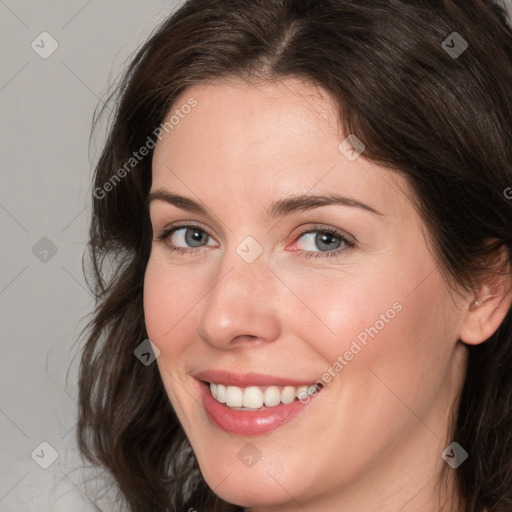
[[442, 121]]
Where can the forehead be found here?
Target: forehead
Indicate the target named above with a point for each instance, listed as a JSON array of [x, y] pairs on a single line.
[[236, 120], [255, 143]]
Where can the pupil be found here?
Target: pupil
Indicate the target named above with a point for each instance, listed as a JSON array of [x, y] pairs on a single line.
[[196, 237], [326, 239]]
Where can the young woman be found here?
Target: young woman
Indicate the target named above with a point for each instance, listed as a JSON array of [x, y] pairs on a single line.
[[306, 206]]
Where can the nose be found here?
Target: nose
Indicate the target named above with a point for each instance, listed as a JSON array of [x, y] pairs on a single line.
[[242, 305]]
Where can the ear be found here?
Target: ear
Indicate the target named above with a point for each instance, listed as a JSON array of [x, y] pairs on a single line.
[[486, 309]]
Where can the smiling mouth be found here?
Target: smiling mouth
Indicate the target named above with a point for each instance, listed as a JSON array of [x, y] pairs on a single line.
[[257, 398], [253, 404]]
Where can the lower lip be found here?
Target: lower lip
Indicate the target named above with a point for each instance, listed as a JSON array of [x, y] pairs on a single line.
[[249, 422]]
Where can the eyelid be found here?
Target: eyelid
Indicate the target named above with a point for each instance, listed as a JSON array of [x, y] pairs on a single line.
[[313, 227], [166, 232], [185, 224], [349, 241], [327, 228]]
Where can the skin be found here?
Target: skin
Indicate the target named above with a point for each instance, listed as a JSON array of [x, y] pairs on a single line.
[[373, 438]]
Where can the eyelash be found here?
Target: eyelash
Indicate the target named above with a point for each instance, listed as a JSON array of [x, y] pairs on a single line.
[[348, 244]]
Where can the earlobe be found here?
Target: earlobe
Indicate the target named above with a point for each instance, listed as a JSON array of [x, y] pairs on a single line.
[[486, 312]]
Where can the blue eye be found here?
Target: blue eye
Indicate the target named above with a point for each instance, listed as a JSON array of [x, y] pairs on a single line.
[[330, 241], [193, 235]]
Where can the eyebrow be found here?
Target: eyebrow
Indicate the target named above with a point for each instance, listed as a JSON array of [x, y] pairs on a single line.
[[278, 208]]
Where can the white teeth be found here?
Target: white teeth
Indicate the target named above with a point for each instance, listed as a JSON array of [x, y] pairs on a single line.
[[288, 395], [253, 397], [302, 392], [221, 393], [272, 396], [234, 396]]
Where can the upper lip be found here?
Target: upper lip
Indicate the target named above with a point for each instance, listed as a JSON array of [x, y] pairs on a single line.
[[244, 380]]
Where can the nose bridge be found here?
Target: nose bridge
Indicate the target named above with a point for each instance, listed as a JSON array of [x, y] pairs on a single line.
[[242, 301]]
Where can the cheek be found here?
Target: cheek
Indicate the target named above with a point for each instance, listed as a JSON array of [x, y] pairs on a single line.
[[170, 295], [392, 320], [394, 339], [346, 311]]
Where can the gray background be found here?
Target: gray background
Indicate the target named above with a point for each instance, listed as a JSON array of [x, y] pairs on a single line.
[[46, 111]]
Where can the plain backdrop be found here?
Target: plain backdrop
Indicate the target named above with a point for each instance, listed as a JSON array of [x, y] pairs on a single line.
[[47, 102]]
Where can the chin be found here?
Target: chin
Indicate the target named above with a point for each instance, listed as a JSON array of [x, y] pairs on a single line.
[[246, 487]]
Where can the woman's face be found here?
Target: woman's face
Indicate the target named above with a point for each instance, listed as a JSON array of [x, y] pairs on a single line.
[[265, 297]]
